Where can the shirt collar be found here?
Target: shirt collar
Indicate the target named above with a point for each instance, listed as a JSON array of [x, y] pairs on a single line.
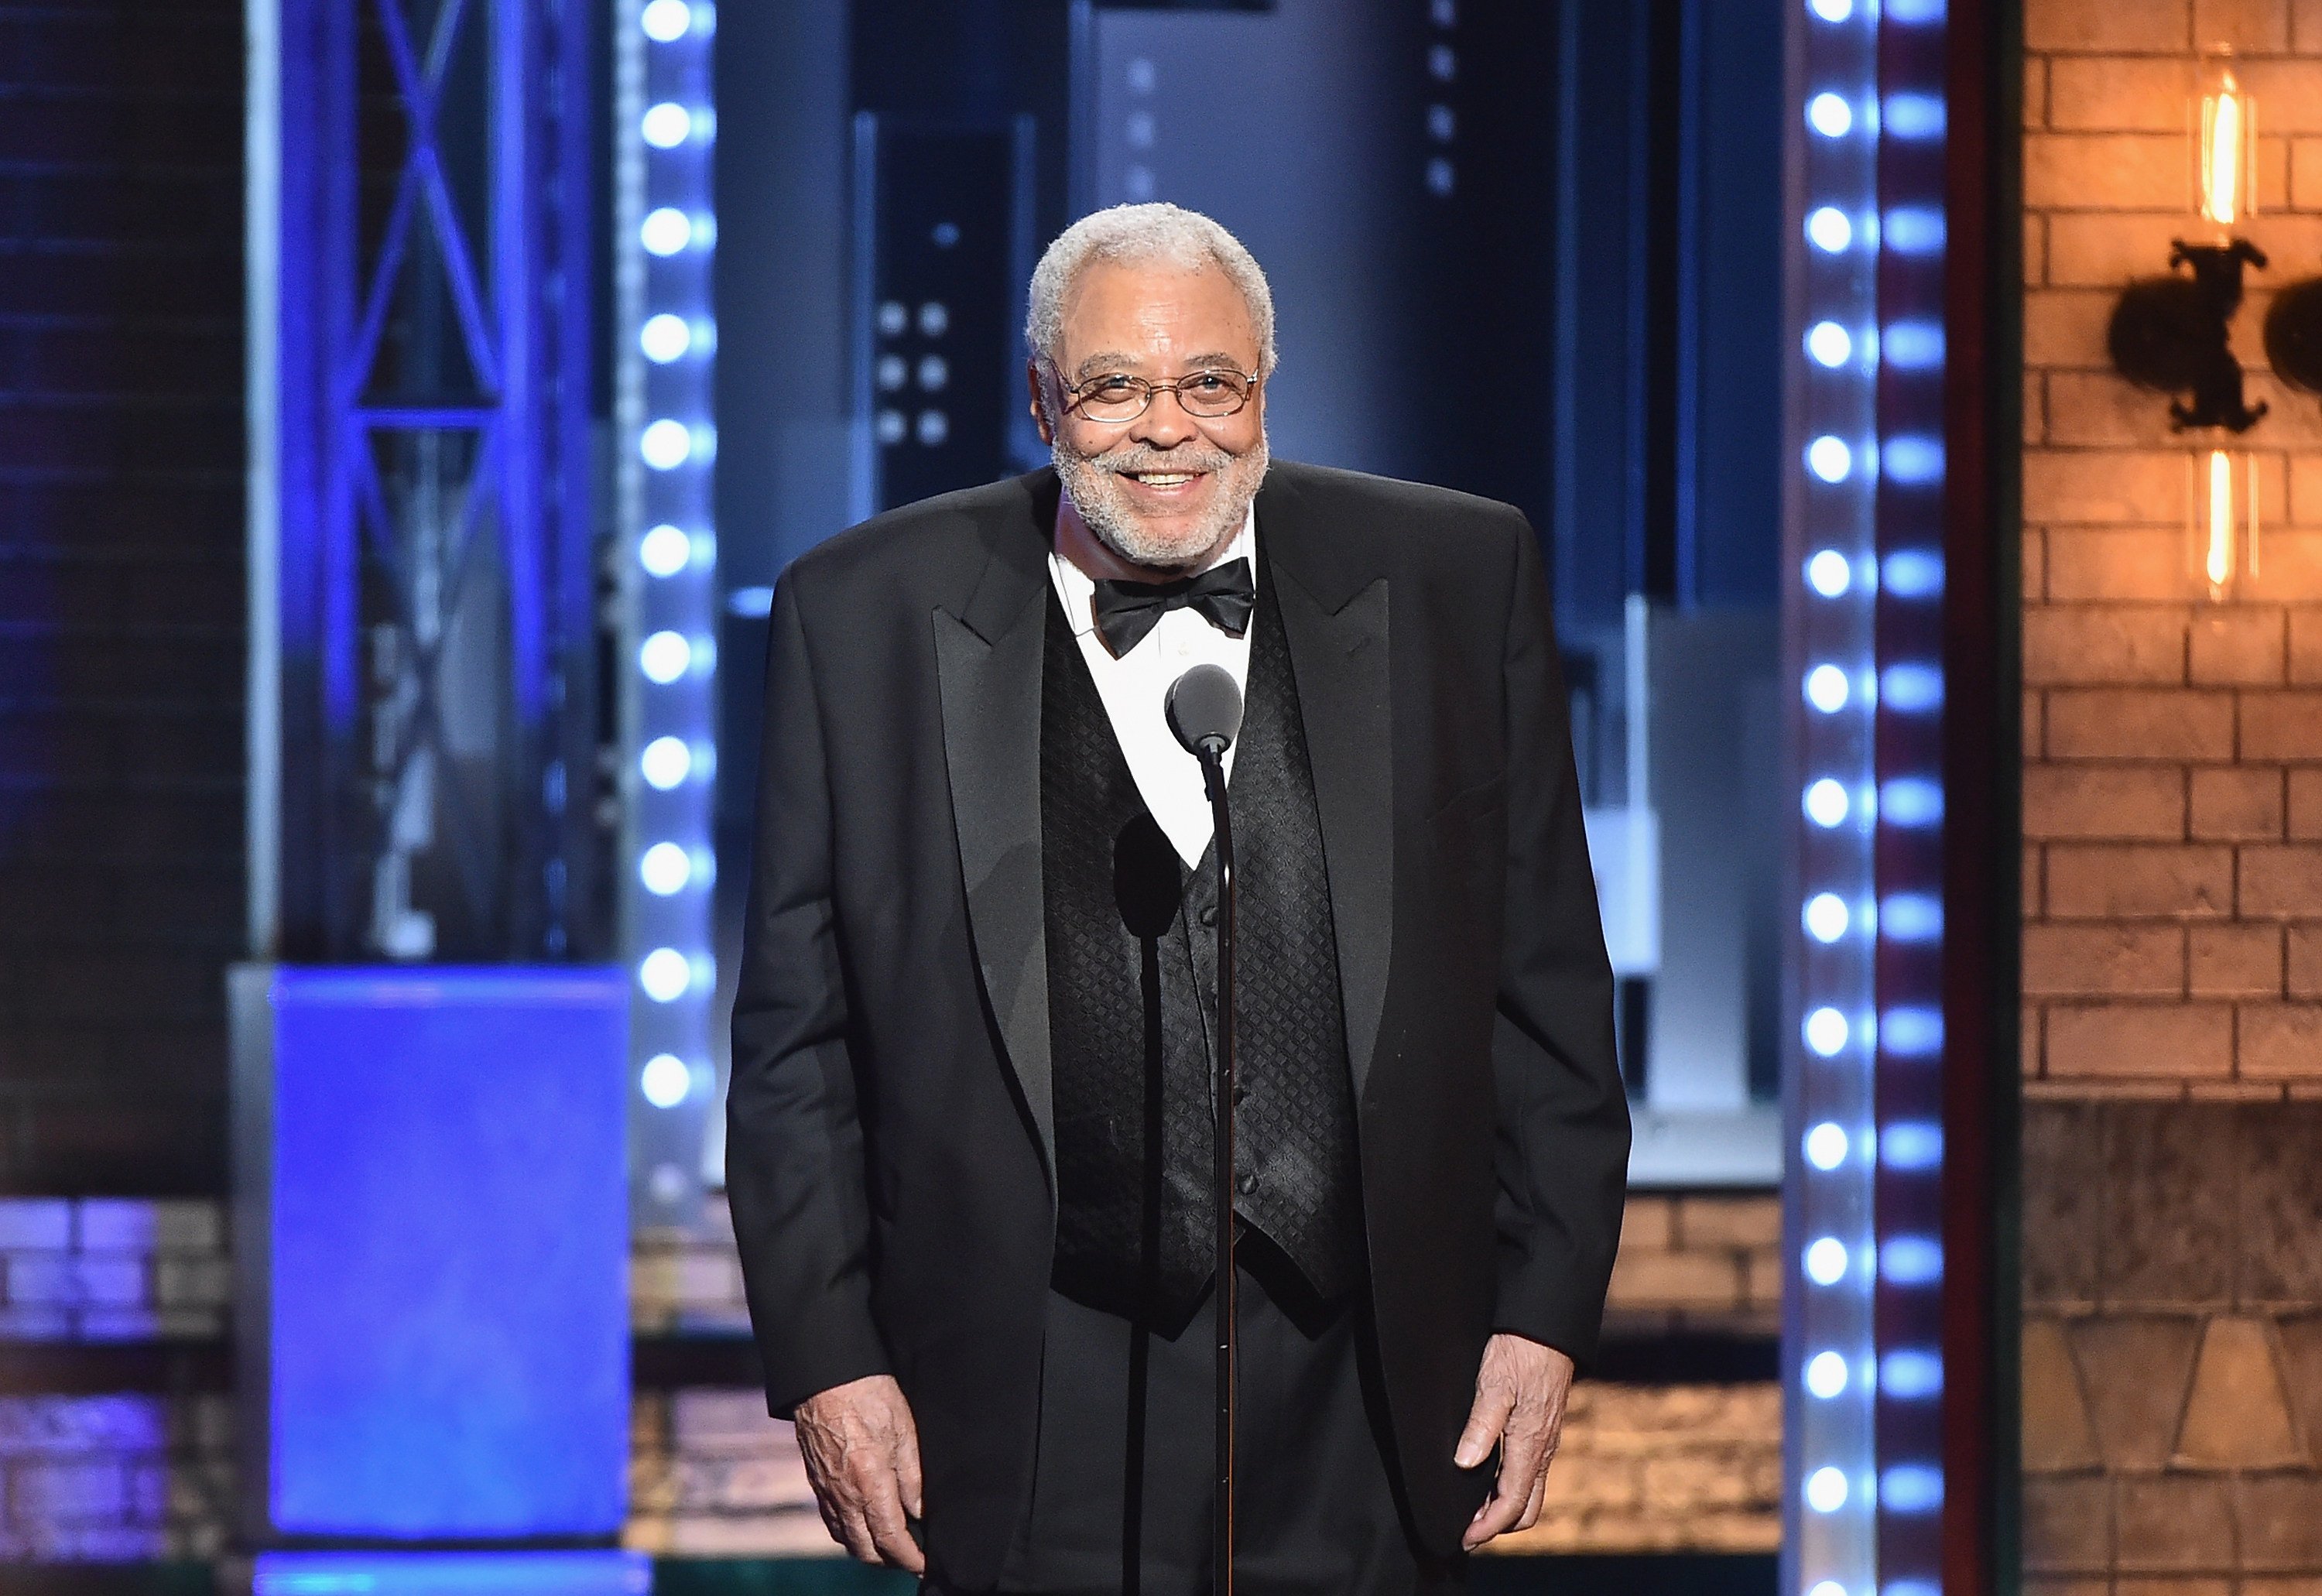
[[1077, 588]]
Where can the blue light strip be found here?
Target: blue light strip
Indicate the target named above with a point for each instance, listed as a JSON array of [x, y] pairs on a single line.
[[666, 338], [1912, 67], [1840, 1484]]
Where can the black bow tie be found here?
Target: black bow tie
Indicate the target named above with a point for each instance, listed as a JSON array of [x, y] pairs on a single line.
[[1126, 611]]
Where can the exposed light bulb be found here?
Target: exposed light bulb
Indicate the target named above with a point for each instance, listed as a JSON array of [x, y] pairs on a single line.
[[2225, 125], [2217, 563]]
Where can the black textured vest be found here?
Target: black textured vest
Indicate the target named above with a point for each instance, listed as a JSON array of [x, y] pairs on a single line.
[[1132, 985]]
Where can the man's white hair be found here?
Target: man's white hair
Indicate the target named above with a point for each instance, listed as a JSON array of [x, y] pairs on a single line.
[[1139, 234]]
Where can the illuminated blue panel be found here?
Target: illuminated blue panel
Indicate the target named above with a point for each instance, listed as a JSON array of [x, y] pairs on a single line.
[[441, 1297], [452, 1573]]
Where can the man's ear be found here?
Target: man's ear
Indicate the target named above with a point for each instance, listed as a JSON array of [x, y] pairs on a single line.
[[1039, 402]]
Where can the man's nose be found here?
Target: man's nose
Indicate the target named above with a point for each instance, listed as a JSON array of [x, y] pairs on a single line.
[[1165, 424]]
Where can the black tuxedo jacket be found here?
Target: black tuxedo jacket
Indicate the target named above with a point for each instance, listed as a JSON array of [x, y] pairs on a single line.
[[890, 1147]]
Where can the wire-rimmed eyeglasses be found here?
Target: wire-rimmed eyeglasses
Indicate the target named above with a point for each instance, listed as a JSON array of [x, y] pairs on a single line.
[[1210, 393]]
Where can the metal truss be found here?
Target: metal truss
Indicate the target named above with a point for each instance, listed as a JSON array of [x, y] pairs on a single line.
[[432, 584]]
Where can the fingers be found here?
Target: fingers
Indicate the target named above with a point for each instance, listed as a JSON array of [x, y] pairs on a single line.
[[1518, 1491], [846, 1527], [864, 1514], [1498, 1516], [906, 1470], [1486, 1421], [832, 1523], [1527, 1438], [891, 1536], [1530, 1515]]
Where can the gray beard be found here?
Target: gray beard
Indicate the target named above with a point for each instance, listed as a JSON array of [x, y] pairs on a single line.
[[1096, 493]]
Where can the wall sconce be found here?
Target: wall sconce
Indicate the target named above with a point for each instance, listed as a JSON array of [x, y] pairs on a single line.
[[2173, 334], [2222, 519]]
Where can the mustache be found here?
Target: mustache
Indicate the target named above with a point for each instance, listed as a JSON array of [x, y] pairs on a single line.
[[1143, 457]]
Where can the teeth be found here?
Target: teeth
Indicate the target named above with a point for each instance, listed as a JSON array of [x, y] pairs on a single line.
[[1158, 480]]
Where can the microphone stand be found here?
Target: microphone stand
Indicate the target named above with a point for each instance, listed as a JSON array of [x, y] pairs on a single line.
[[1211, 751], [1205, 709]]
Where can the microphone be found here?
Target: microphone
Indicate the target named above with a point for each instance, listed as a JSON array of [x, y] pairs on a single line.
[[1205, 710]]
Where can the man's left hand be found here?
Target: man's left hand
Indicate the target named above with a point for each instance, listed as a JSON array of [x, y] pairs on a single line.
[[1520, 1393]]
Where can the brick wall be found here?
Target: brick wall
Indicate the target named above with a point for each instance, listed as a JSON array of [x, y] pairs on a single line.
[[105, 1269], [1700, 1262], [1674, 1468], [125, 1475], [121, 573], [2173, 868], [115, 1479]]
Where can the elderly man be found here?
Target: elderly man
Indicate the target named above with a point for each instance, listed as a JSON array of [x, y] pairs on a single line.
[[970, 1146]]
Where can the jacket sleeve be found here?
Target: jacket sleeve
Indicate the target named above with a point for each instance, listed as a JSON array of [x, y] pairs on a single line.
[[794, 1164], [1562, 1149]]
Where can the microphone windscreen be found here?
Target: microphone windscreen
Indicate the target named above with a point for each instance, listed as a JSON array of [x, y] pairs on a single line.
[[1205, 706]]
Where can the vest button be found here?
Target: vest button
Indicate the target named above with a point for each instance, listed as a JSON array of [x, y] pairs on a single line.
[[1246, 1184], [1209, 915]]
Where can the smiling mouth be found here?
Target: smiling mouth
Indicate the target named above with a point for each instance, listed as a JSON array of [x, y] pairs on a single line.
[[1162, 478]]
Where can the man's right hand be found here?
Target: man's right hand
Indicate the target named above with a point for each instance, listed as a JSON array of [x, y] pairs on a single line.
[[862, 1453]]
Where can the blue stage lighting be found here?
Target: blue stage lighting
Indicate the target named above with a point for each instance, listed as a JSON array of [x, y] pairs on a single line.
[[666, 22], [1829, 229], [665, 1080], [667, 125], [452, 1573], [665, 550], [665, 412], [1830, 344], [1826, 1145], [1863, 224]]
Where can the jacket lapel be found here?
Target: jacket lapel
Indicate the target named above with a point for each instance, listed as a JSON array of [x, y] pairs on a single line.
[[987, 673], [1337, 634]]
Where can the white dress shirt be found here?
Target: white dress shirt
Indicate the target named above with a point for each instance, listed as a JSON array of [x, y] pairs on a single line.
[[1135, 686]]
